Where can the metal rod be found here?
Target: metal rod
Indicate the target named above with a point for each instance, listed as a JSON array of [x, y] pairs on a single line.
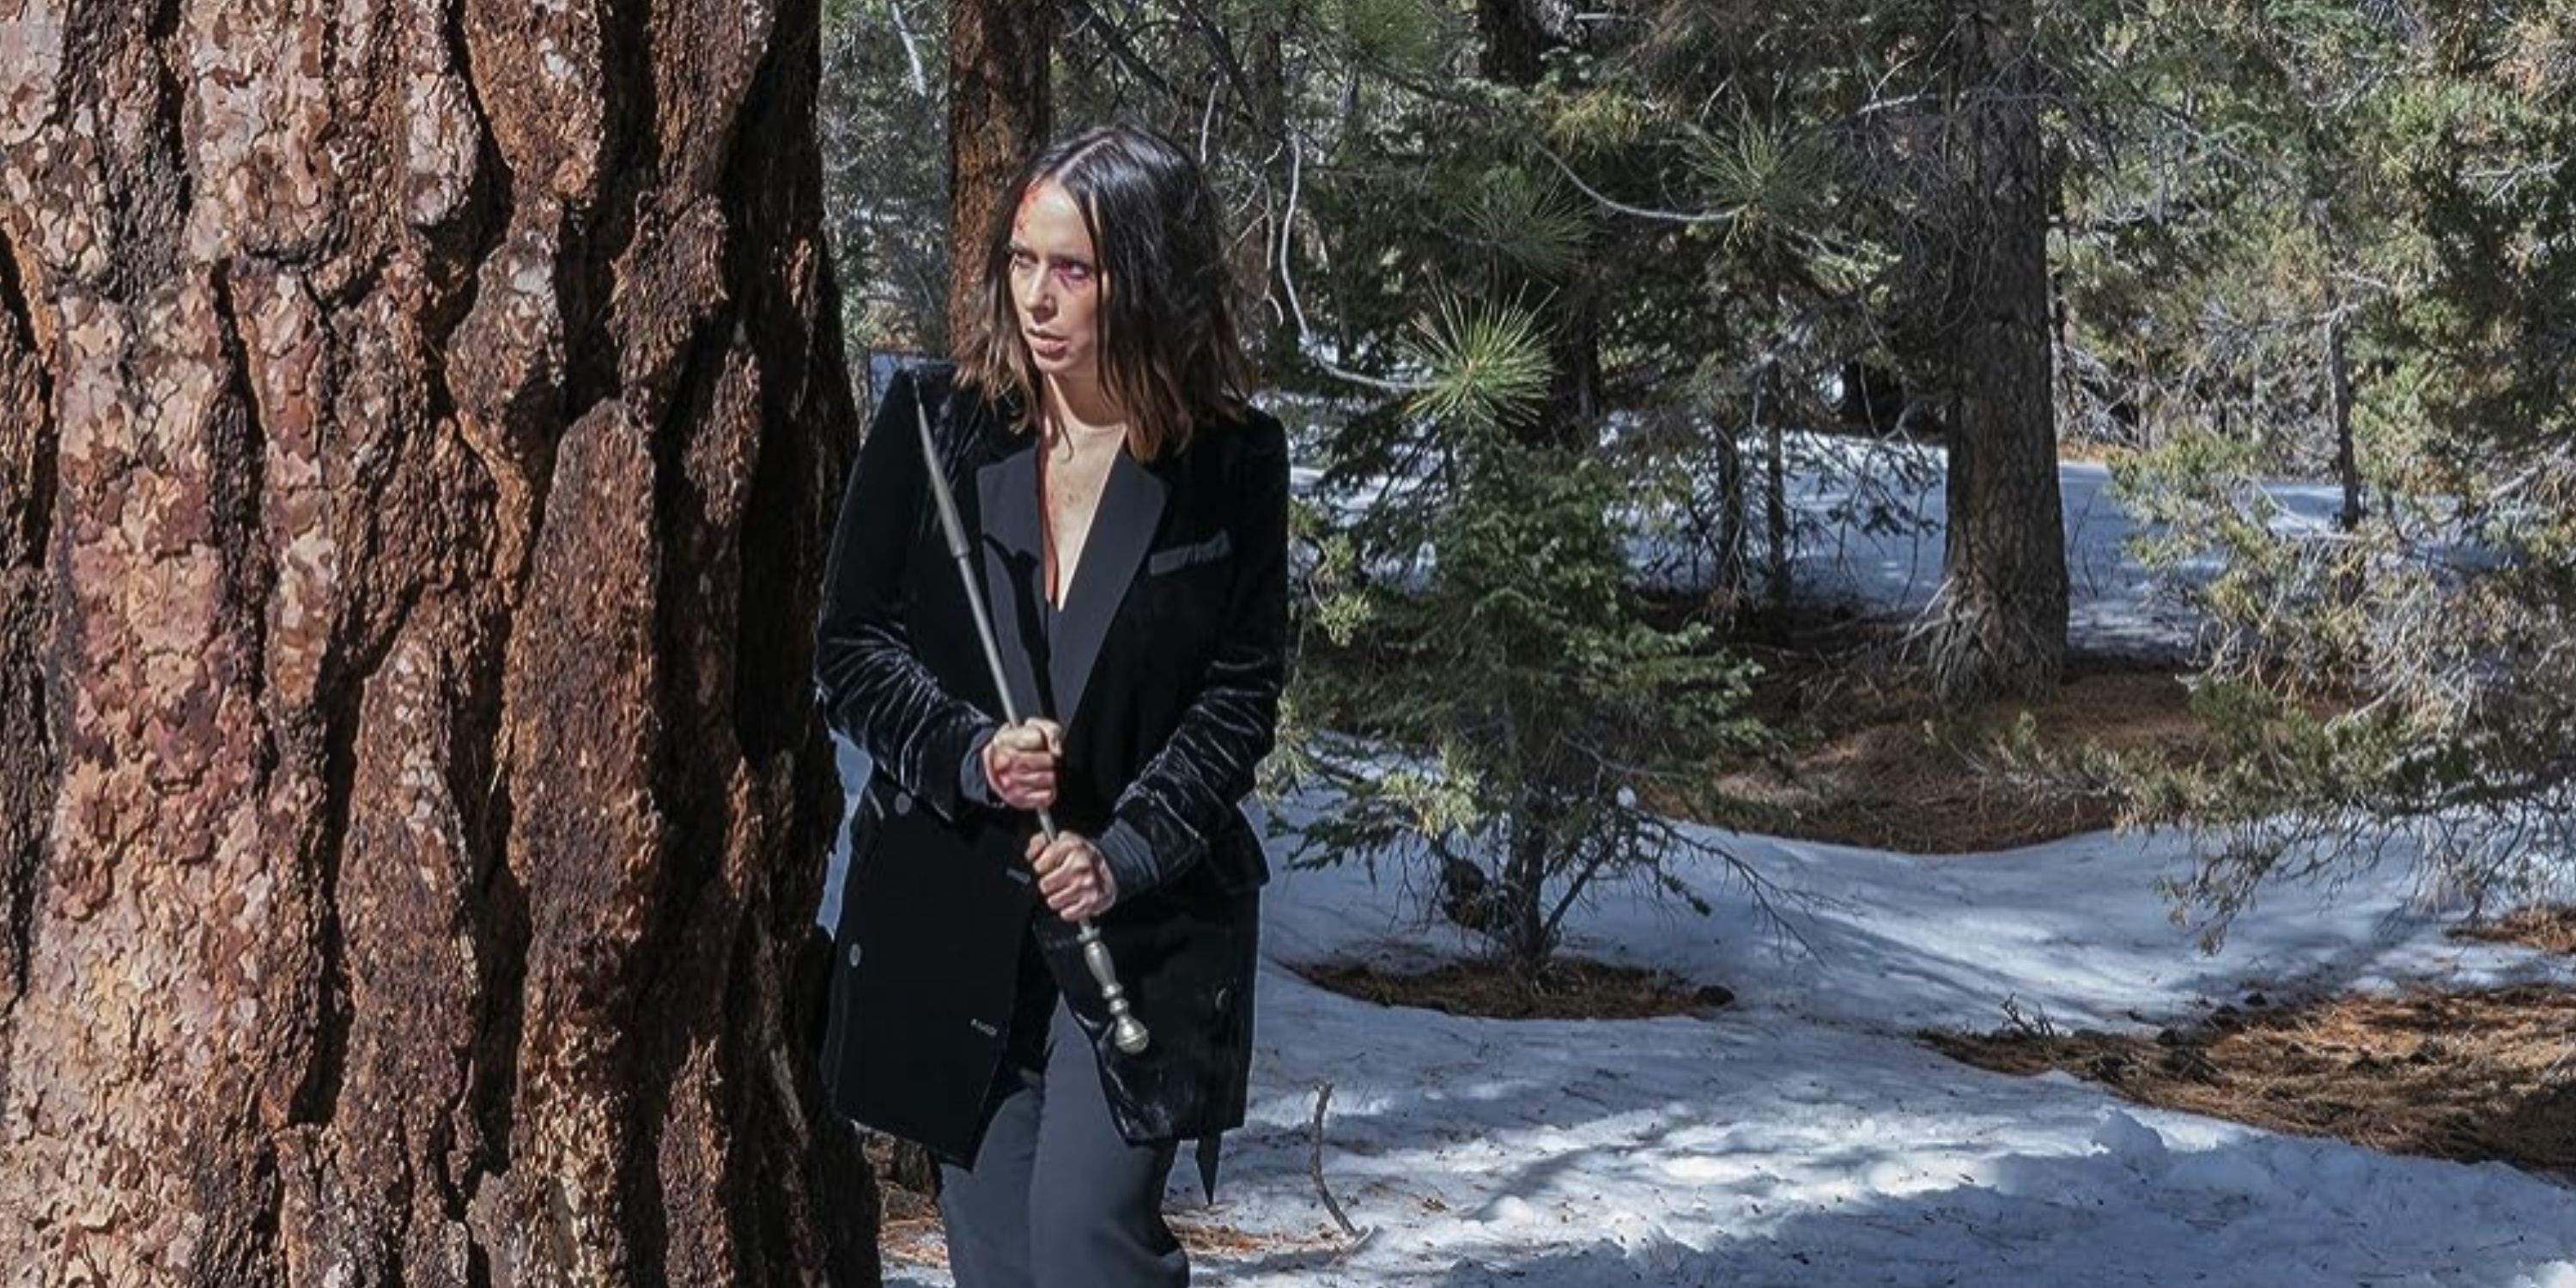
[[1125, 1030]]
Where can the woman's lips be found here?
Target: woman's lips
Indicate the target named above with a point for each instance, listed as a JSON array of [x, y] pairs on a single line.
[[1048, 345]]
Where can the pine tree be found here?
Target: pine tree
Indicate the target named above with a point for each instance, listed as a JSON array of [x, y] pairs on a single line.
[[1516, 718]]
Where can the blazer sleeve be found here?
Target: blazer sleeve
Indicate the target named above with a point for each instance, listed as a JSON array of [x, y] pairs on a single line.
[[870, 684], [1165, 817]]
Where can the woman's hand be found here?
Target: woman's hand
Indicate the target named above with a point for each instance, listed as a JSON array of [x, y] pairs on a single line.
[[1020, 762], [1072, 876]]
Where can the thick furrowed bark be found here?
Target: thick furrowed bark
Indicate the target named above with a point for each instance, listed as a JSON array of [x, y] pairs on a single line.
[[28, 773], [421, 419]]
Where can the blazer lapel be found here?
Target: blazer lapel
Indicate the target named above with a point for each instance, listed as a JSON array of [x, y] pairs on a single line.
[[1131, 508], [1007, 493]]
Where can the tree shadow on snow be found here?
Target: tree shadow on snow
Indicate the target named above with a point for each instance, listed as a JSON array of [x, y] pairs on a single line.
[[2222, 1217], [1949, 1173]]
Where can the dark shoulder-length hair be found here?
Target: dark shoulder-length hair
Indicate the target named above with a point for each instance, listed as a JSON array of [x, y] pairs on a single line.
[[1170, 352]]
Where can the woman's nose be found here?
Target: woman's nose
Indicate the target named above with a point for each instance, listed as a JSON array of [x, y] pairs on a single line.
[[1034, 295]]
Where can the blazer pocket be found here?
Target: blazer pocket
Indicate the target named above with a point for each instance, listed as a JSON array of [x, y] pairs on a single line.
[[1176, 558]]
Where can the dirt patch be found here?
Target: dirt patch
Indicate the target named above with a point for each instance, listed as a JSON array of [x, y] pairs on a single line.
[[1861, 753], [2473, 1076], [1570, 989], [910, 1232], [2550, 929], [1209, 1238], [908, 1228], [1866, 756], [2091, 451]]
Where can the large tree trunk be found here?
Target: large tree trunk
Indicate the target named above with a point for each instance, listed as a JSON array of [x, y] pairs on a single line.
[[1998, 625], [998, 117], [420, 419]]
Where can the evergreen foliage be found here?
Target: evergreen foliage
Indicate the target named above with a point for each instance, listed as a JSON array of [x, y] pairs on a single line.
[[883, 115], [1498, 715], [2319, 239], [2403, 681]]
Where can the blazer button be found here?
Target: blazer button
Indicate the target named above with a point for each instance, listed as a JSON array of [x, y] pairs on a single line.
[[854, 956], [902, 802]]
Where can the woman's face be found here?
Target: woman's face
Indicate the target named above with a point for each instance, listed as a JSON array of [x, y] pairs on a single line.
[[1055, 284]]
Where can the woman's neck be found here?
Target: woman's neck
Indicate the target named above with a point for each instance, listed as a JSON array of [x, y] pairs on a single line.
[[1082, 410]]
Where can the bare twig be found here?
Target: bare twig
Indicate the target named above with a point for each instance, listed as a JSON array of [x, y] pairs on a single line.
[[2031, 1023], [1207, 121], [1222, 50], [1641, 212], [911, 54], [1288, 285], [1315, 1160], [1122, 48]]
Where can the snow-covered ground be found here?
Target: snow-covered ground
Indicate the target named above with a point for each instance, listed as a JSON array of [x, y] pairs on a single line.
[[1802, 1136]]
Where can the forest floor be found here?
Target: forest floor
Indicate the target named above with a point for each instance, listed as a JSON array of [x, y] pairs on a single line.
[[1813, 1130], [1864, 755], [2465, 1074], [2471, 1068]]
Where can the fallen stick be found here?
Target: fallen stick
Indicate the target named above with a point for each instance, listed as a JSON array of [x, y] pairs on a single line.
[[1315, 1160]]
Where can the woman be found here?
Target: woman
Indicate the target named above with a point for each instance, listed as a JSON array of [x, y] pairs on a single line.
[[1129, 510]]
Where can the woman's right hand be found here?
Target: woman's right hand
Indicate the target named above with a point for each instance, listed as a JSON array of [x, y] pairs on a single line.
[[1020, 763]]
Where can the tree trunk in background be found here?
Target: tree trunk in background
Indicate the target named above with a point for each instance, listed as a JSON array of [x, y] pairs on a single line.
[[1516, 35], [421, 423], [1998, 625], [1269, 336], [2339, 396], [1574, 354], [1733, 580], [998, 117], [1775, 489]]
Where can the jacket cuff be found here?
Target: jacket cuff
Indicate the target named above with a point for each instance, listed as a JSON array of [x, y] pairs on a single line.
[[972, 786], [940, 788], [1130, 858]]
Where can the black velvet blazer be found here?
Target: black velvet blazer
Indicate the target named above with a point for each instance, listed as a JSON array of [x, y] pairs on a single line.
[[1164, 667]]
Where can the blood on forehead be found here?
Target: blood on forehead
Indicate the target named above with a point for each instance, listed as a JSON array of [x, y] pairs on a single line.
[[1029, 199]]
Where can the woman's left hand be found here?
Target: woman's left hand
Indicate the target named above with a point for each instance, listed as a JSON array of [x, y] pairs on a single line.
[[1072, 877]]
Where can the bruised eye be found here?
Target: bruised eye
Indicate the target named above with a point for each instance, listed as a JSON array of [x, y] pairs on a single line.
[[1074, 272]]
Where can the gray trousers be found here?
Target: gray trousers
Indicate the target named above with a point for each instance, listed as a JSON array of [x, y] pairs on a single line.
[[1056, 1197]]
